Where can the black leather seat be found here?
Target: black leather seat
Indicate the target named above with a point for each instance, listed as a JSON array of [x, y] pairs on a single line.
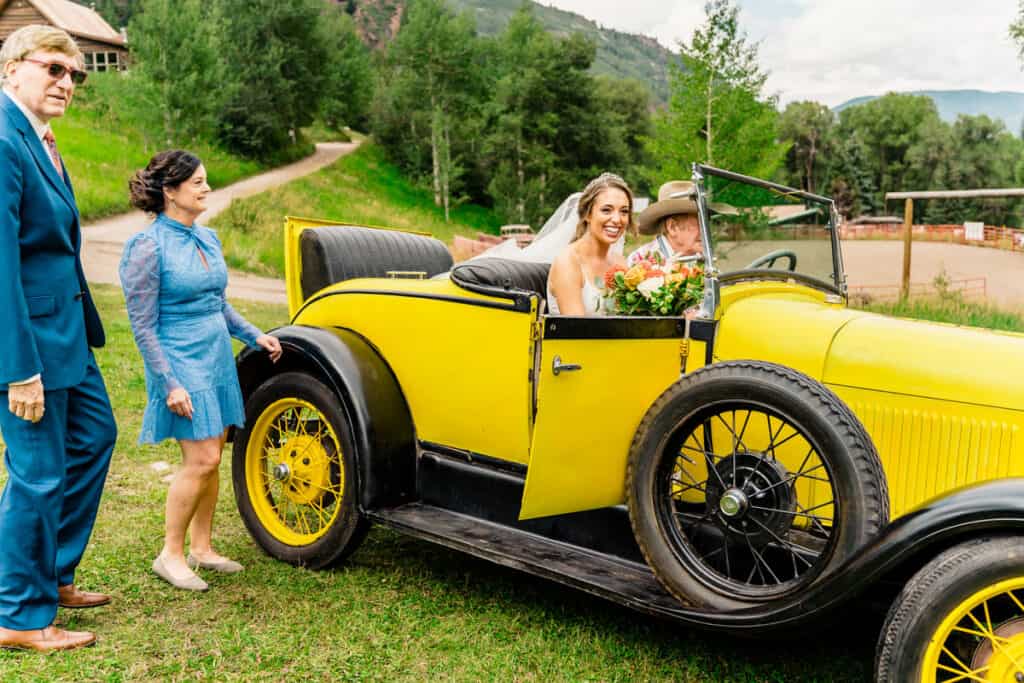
[[503, 274], [335, 253]]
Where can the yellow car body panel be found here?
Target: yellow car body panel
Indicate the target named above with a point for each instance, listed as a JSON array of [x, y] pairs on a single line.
[[471, 402], [586, 419], [942, 403], [931, 360], [930, 446], [787, 324]]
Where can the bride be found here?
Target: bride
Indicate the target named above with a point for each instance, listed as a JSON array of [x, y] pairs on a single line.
[[605, 214], [582, 240]]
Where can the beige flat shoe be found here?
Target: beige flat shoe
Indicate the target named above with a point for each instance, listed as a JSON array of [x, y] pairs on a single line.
[[189, 583], [224, 566]]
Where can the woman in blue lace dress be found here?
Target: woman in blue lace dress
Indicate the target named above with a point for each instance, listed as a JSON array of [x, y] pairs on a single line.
[[174, 275]]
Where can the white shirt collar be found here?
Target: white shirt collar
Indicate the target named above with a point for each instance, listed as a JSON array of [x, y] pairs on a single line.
[[38, 126]]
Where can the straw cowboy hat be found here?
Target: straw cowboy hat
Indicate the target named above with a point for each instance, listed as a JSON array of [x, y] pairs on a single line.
[[674, 197]]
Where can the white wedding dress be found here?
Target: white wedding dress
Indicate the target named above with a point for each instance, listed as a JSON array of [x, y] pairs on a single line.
[[553, 238]]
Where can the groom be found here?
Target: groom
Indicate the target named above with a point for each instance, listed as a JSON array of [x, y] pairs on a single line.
[[673, 218], [55, 416]]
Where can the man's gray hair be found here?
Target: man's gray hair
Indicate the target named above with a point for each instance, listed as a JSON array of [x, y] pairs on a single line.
[[28, 39]]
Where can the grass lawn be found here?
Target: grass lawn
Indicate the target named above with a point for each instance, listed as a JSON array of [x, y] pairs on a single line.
[[951, 309], [400, 610], [103, 146], [360, 188]]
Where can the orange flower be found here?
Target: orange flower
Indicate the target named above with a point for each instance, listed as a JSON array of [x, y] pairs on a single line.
[[675, 277], [635, 276], [609, 277]]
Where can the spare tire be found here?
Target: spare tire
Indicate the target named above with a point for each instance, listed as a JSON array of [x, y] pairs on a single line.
[[748, 481]]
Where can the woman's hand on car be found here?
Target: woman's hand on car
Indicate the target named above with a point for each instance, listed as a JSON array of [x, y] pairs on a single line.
[[271, 345], [180, 402]]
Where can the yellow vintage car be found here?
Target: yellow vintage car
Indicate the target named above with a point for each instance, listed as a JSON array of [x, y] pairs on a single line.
[[758, 467]]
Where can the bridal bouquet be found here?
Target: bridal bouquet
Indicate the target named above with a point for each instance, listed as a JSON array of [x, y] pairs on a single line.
[[652, 288]]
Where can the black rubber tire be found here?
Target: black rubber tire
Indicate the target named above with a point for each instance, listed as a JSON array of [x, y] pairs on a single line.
[[933, 593], [858, 477], [350, 528]]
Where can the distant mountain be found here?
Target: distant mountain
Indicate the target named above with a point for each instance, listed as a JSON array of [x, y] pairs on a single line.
[[623, 55], [618, 54], [1006, 106]]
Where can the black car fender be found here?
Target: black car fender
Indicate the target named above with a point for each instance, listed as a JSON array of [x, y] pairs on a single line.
[[376, 409]]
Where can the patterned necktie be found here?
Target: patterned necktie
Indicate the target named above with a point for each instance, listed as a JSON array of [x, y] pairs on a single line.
[[51, 146]]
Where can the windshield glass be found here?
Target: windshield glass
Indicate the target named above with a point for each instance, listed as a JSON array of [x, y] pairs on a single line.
[[768, 228]]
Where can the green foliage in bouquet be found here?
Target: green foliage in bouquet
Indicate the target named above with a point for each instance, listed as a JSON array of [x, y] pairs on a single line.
[[649, 288]]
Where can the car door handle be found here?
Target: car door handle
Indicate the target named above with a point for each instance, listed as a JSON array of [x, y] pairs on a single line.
[[558, 366]]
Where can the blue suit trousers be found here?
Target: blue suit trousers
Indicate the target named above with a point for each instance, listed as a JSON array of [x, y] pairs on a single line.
[[56, 470]]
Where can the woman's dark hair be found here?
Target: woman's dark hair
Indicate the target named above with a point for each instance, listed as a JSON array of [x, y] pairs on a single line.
[[166, 169]]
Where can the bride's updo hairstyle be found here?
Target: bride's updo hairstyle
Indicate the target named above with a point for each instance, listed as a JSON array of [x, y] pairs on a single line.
[[589, 197], [166, 169]]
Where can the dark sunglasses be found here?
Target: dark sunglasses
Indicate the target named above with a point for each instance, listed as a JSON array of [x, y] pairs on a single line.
[[56, 71]]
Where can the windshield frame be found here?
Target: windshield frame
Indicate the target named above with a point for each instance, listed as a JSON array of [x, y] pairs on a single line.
[[712, 276]]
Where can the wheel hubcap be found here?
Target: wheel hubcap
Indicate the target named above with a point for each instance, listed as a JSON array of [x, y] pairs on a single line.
[[1004, 661], [307, 469], [281, 472], [733, 503], [753, 496]]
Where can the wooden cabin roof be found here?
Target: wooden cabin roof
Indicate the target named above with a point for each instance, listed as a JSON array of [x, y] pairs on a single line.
[[78, 20]]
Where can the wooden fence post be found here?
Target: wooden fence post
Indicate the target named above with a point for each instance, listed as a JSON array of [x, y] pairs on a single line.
[[908, 227]]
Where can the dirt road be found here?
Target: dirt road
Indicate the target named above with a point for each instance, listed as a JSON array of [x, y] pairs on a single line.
[[871, 262], [103, 240]]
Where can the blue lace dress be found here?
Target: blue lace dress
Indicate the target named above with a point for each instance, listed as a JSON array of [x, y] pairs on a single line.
[[183, 327]]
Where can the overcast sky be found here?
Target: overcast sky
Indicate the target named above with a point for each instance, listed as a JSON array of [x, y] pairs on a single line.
[[833, 50]]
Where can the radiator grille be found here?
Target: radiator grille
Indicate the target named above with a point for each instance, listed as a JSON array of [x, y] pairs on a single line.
[[925, 452]]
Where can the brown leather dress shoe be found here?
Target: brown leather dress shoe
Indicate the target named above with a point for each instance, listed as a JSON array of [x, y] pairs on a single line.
[[71, 597], [47, 639]]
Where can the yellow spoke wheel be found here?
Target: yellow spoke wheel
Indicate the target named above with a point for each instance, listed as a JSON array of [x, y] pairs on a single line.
[[982, 638], [960, 618], [293, 471]]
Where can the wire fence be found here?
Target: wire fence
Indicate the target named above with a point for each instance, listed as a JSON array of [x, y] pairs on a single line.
[[969, 289], [996, 237]]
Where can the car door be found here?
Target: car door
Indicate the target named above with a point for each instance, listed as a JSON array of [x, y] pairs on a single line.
[[595, 379]]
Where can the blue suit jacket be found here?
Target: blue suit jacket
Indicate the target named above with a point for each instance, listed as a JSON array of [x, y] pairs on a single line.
[[47, 316]]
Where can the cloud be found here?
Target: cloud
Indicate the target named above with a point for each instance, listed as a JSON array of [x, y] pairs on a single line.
[[832, 50]]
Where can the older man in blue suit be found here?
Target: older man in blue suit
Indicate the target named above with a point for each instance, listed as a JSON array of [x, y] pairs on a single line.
[[58, 426]]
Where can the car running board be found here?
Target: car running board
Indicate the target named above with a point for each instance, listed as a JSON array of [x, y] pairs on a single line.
[[627, 583]]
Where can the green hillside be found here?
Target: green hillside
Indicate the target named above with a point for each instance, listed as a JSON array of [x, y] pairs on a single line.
[[103, 145], [621, 55], [360, 188]]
